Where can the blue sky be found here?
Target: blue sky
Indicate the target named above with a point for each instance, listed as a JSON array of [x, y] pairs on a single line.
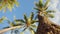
[[26, 6]]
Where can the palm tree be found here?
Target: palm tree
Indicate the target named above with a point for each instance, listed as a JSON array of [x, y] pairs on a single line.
[[12, 26], [45, 26], [28, 23], [8, 4]]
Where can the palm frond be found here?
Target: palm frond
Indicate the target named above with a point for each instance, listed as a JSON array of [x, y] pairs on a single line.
[[39, 4], [9, 4], [25, 17], [33, 26], [50, 11], [12, 24], [46, 4], [32, 15], [32, 31], [51, 15], [38, 9], [1, 19], [19, 21], [34, 21], [17, 4]]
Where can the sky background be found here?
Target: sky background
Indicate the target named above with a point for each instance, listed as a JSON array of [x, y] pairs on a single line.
[[26, 6]]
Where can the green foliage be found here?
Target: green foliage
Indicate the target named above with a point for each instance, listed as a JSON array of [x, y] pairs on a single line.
[[25, 17], [32, 15], [2, 19], [46, 4], [50, 11], [8, 4], [39, 4], [42, 9], [32, 31], [19, 21], [51, 15], [29, 22]]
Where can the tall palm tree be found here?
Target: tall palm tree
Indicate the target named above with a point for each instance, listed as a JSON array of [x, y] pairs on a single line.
[[29, 23], [8, 4], [45, 26]]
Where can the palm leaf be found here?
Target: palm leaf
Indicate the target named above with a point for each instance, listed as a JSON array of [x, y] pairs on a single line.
[[33, 26], [12, 24], [17, 4], [34, 21], [46, 4], [8, 4], [50, 11], [1, 20], [32, 15], [37, 5], [51, 15], [37, 9], [25, 17], [20, 21], [32, 31], [40, 3], [9, 7]]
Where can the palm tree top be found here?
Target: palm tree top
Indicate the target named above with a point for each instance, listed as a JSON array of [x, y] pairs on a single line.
[[8, 4], [28, 22], [42, 8]]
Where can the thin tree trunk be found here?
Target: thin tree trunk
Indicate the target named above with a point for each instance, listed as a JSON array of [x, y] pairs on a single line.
[[47, 27], [7, 29]]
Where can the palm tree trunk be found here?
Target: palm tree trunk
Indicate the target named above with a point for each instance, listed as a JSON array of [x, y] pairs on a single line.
[[45, 26], [7, 29]]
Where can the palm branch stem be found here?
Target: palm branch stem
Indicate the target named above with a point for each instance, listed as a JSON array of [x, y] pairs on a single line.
[[7, 29]]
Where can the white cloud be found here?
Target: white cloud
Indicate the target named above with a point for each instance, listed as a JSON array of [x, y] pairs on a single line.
[[53, 5]]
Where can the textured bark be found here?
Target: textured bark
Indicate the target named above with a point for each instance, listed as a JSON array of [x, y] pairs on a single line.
[[45, 26]]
